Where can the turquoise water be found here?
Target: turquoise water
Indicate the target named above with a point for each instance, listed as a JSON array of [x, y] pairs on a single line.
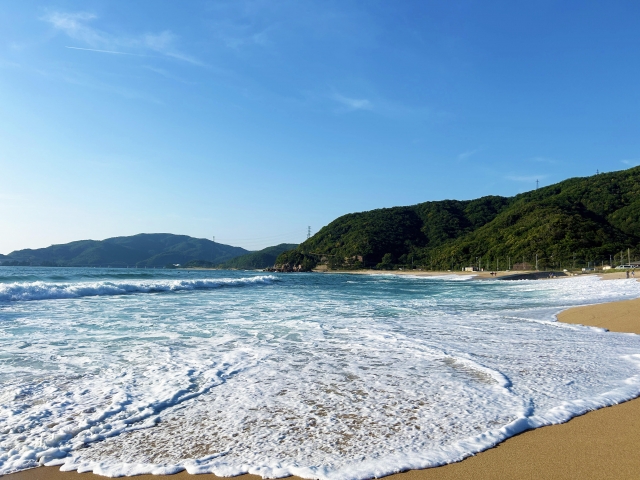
[[122, 371]]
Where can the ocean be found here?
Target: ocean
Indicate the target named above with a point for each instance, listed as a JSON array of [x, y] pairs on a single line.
[[331, 376]]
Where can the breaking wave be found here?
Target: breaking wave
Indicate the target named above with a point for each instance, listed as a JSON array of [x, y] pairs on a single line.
[[21, 291]]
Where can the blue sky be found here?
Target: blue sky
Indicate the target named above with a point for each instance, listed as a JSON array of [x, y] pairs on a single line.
[[250, 120]]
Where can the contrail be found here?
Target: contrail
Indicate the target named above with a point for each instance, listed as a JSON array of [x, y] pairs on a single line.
[[107, 51]]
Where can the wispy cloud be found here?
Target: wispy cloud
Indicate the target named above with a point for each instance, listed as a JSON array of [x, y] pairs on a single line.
[[169, 75], [243, 24], [468, 154], [352, 104], [631, 162], [525, 178], [242, 36], [540, 159], [77, 26], [329, 100]]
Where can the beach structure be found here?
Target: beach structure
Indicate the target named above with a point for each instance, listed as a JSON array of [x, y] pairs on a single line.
[[628, 266]]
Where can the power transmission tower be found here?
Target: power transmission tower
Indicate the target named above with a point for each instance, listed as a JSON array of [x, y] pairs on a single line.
[[537, 184], [308, 232]]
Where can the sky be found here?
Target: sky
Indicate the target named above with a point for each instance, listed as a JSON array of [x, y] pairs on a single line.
[[252, 120]]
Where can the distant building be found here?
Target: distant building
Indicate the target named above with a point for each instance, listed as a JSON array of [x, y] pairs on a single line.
[[470, 269]]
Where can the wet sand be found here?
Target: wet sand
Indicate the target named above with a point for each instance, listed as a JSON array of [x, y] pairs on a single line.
[[602, 444]]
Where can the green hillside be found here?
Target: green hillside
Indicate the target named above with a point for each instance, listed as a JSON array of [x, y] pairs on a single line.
[[143, 250], [257, 260], [578, 220]]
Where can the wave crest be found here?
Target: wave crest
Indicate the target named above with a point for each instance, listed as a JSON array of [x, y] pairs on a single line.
[[21, 291]]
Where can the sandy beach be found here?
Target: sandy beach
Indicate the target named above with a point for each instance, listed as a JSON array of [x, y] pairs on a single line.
[[602, 444], [479, 275]]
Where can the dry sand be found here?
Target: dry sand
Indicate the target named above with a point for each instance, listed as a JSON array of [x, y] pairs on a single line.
[[429, 273], [603, 444], [476, 275]]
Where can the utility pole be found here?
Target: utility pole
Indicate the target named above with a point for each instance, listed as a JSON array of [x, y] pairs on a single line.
[[574, 261], [308, 232], [628, 257], [509, 263], [536, 262]]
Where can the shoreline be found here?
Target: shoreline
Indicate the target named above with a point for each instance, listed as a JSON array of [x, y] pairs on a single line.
[[601, 444], [503, 274]]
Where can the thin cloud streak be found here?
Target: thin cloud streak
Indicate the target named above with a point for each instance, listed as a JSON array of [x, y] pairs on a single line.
[[469, 153], [106, 51], [543, 160], [525, 178], [353, 104], [632, 162], [168, 75]]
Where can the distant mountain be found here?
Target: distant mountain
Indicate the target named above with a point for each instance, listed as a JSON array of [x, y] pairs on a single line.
[[261, 259], [143, 250], [576, 221]]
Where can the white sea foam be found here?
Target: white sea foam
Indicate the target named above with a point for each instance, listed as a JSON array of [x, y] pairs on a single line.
[[453, 277], [323, 376], [46, 290]]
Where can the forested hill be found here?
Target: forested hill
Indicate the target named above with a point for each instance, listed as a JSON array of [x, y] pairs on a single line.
[[573, 222], [143, 250], [258, 260]]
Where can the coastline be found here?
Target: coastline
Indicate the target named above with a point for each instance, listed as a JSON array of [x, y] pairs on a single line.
[[601, 444]]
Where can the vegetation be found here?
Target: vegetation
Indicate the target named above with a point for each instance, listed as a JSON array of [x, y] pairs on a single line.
[[577, 222], [143, 250], [258, 260]]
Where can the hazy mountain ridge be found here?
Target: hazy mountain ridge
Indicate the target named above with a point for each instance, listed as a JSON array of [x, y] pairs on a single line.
[[587, 218], [142, 250], [261, 259]]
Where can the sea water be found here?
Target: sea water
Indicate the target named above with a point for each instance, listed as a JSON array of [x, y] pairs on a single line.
[[123, 372]]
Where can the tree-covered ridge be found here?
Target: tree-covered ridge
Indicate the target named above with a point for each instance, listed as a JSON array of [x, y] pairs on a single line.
[[586, 219], [143, 250], [258, 260]]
